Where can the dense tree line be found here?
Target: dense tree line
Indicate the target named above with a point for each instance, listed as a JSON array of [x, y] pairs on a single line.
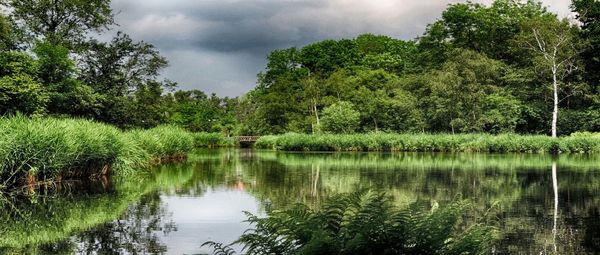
[[51, 65], [476, 69], [511, 66]]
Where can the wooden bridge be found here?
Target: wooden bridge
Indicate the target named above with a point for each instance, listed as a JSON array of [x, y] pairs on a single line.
[[246, 139]]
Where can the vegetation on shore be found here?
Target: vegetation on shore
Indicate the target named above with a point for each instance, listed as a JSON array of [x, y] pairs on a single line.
[[477, 69], [365, 222], [36, 150], [577, 143]]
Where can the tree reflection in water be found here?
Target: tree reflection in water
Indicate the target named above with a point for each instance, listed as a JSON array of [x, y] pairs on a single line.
[[136, 232], [545, 204]]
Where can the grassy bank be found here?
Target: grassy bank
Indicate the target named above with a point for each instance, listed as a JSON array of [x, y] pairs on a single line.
[[582, 143], [213, 140], [47, 150]]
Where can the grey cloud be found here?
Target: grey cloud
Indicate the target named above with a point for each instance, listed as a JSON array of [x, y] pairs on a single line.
[[220, 45]]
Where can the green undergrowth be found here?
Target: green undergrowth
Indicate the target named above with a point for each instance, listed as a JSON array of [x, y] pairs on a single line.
[[366, 222], [213, 140], [37, 150], [580, 143]]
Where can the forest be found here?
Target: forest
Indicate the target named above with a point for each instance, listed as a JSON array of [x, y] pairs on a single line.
[[508, 67]]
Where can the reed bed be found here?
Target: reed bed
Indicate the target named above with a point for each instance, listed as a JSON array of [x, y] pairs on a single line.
[[212, 140], [505, 143], [48, 149]]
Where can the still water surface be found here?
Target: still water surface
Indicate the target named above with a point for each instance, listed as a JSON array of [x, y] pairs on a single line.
[[540, 204]]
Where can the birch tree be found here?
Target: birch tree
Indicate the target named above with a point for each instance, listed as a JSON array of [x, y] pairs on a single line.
[[554, 46]]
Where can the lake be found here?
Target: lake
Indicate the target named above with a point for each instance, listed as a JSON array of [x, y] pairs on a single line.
[[541, 204]]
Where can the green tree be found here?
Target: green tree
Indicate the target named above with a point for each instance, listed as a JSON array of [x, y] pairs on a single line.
[[20, 91], [340, 118], [455, 94], [485, 29], [6, 36], [67, 95], [501, 113], [588, 14], [326, 56], [60, 21], [555, 47], [116, 70]]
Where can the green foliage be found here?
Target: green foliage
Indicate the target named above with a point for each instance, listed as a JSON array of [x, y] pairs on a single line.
[[21, 94], [431, 143], [588, 13], [196, 112], [472, 71], [212, 140], [20, 91], [28, 226], [340, 118], [501, 113], [469, 72], [6, 34], [69, 22], [45, 149], [367, 222], [485, 29], [67, 95]]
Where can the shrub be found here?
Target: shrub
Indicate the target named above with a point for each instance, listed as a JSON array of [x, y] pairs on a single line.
[[340, 118]]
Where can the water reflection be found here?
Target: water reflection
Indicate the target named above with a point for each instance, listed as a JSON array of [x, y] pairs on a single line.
[[543, 204]]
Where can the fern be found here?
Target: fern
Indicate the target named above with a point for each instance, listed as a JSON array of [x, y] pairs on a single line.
[[366, 222], [219, 249]]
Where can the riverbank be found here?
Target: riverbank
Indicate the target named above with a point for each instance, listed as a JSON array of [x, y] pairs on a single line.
[[581, 143], [46, 150]]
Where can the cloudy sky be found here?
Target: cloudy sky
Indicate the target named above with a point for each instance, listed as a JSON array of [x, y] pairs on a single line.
[[219, 46]]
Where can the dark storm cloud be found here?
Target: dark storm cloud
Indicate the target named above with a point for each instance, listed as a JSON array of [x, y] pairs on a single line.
[[220, 45]]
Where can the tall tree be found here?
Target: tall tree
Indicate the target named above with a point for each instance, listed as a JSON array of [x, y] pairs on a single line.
[[6, 33], [20, 90], [58, 73], [485, 29], [588, 14], [556, 47], [60, 21], [120, 68]]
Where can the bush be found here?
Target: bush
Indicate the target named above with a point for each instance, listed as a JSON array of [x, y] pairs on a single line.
[[340, 118]]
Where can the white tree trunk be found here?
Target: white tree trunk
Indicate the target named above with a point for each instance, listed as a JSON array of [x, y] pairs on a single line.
[[555, 188], [555, 111], [316, 113]]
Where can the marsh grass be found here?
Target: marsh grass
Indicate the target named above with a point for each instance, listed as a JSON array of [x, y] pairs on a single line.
[[212, 140], [47, 149], [432, 143]]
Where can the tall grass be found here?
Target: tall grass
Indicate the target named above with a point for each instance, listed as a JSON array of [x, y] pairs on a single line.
[[212, 140], [48, 149], [432, 143]]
